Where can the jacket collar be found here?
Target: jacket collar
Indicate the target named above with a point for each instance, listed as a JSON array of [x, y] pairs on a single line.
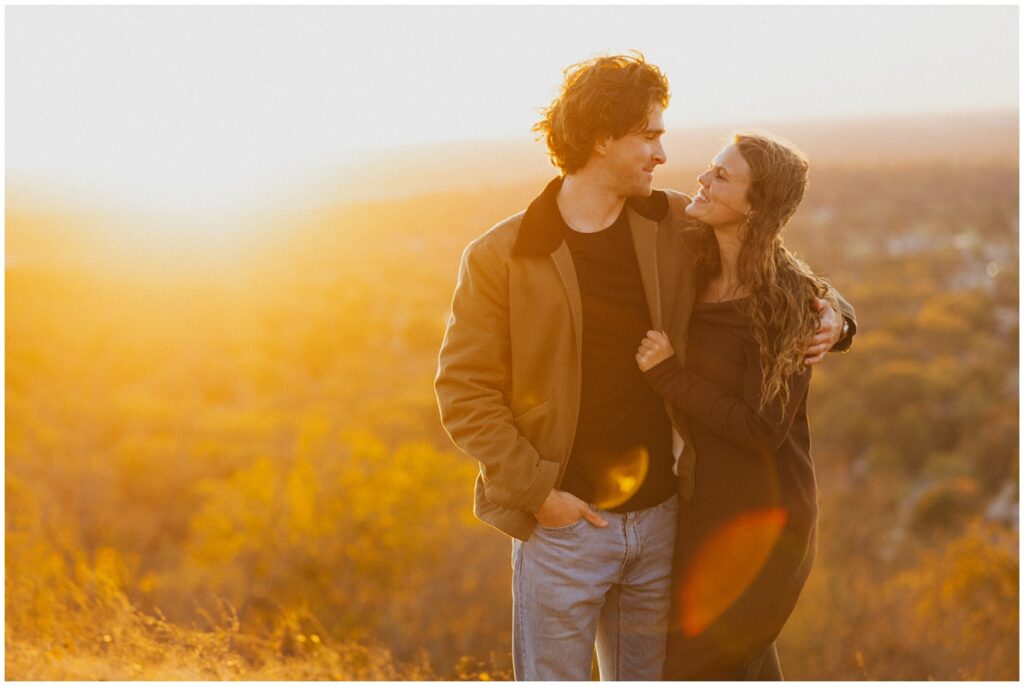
[[540, 231]]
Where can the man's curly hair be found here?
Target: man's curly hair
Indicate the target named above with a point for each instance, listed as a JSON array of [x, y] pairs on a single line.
[[603, 96]]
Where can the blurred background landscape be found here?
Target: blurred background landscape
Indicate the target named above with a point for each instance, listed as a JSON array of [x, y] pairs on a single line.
[[223, 456], [233, 467]]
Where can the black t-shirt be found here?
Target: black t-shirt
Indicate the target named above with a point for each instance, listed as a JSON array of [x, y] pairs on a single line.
[[622, 454]]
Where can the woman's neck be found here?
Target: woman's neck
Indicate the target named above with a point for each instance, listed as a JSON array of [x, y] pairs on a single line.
[[729, 243], [725, 285]]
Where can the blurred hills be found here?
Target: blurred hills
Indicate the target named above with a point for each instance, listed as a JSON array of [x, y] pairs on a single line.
[[974, 138], [392, 193]]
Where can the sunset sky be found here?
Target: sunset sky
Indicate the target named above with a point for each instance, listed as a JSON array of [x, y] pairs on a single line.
[[208, 109]]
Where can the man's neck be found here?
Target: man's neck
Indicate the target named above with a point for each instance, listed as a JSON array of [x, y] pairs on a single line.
[[586, 205]]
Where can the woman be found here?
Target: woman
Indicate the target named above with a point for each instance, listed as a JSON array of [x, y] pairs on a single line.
[[746, 540]]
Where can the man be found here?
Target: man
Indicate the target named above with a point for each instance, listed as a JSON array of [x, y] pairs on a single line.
[[537, 380]]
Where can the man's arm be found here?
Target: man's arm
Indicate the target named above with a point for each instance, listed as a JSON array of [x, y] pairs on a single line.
[[472, 384], [836, 331]]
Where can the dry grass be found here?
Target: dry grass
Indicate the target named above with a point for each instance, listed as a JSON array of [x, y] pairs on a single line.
[[71, 620], [126, 644]]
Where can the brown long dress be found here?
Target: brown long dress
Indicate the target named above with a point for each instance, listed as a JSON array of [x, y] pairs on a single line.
[[746, 540]]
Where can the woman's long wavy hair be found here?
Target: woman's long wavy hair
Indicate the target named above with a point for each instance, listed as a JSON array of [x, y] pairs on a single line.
[[782, 287]]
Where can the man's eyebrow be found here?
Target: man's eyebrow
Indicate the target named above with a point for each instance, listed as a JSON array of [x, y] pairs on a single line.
[[654, 130]]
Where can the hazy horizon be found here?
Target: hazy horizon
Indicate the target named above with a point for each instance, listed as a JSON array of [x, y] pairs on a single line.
[[401, 171]]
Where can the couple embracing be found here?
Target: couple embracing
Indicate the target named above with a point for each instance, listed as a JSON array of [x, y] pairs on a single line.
[[630, 367]]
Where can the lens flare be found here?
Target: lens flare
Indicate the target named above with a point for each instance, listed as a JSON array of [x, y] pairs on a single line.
[[726, 564], [622, 478]]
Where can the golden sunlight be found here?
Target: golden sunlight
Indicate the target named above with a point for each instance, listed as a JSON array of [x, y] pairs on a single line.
[[619, 482], [726, 565], [232, 236]]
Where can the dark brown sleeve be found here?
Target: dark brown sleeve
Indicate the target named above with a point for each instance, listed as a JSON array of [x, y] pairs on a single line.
[[734, 417]]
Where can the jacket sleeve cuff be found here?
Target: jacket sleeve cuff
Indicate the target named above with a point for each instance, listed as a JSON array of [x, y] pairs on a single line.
[[663, 371], [846, 341], [543, 482]]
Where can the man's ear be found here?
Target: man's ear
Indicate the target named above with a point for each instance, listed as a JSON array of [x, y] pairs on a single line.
[[601, 145]]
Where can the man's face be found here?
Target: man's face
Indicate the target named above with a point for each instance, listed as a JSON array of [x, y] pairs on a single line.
[[630, 161]]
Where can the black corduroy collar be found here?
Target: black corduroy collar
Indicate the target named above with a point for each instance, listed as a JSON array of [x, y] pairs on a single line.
[[540, 231]]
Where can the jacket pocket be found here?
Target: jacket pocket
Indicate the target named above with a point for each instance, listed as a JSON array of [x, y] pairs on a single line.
[[531, 414], [562, 529]]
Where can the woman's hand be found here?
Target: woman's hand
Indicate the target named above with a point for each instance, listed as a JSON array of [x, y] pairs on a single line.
[[654, 348]]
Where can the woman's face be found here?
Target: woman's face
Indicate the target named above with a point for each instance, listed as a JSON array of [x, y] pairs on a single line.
[[722, 199]]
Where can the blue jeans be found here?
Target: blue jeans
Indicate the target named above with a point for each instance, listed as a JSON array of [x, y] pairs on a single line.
[[579, 583]]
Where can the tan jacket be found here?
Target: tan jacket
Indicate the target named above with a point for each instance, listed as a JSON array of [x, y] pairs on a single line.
[[508, 380]]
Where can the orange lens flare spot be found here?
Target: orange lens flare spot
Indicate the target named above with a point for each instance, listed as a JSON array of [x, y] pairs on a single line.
[[726, 564], [622, 478]]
